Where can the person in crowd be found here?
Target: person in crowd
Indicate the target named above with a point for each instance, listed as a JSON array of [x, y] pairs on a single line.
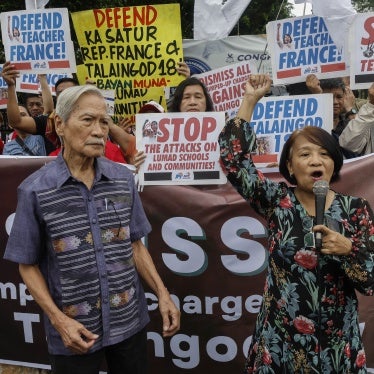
[[346, 105], [39, 105], [358, 102], [77, 238], [350, 104], [152, 107], [34, 104], [63, 83], [308, 322], [24, 144], [36, 125], [358, 135], [343, 103], [44, 125], [191, 95], [125, 152], [111, 151]]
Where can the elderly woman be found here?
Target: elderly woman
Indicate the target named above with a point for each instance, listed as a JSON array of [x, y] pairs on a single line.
[[308, 321], [191, 95]]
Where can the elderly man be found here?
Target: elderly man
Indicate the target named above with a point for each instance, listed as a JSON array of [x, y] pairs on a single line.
[[77, 238]]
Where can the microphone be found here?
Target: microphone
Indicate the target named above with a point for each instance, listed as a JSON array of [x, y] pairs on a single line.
[[320, 189]]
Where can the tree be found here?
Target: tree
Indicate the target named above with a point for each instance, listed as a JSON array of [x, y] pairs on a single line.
[[258, 13]]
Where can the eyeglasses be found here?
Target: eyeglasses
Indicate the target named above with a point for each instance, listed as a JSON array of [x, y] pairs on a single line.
[[307, 223]]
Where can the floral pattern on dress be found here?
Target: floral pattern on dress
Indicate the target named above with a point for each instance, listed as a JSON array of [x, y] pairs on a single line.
[[308, 322]]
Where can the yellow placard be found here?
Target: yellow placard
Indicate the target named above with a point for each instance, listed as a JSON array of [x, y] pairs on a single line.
[[132, 50]]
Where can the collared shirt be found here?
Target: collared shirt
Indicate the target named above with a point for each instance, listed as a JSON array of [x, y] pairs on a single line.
[[81, 240]]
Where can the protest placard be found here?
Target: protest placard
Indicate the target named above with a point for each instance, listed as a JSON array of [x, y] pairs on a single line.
[[38, 40], [181, 148], [109, 96], [131, 50], [3, 90], [29, 82], [362, 51], [122, 108], [275, 118], [205, 55], [303, 45], [226, 86]]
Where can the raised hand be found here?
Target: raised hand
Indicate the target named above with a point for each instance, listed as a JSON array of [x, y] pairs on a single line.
[[10, 74]]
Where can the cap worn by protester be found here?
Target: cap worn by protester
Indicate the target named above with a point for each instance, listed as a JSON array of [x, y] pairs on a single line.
[[151, 107]]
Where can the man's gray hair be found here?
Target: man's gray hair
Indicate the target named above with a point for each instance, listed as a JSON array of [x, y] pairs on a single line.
[[67, 100]]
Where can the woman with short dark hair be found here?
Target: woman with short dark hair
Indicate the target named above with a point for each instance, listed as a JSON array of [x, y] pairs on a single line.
[[308, 322], [318, 137]]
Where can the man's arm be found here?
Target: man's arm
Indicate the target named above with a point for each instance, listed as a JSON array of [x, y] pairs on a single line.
[[74, 335], [147, 270], [126, 141], [356, 135], [313, 84], [47, 97], [15, 120], [256, 87]]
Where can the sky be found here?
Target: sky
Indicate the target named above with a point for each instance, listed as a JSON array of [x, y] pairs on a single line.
[[299, 8]]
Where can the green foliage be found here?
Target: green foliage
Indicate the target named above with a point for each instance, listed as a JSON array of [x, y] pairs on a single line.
[[363, 6], [258, 14]]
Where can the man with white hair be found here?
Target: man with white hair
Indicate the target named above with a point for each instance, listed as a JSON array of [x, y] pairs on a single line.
[[77, 238]]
